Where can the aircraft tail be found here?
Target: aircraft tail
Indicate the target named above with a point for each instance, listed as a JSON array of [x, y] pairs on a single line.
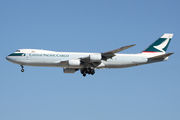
[[160, 45]]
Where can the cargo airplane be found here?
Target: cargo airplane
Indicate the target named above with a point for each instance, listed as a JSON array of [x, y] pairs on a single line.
[[87, 63]]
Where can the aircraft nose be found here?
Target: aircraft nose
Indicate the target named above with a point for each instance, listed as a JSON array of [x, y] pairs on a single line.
[[8, 58]]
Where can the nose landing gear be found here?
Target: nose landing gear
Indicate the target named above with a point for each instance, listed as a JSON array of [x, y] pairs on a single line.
[[22, 70]]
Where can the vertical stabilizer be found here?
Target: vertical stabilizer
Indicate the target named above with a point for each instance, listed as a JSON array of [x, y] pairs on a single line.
[[160, 45]]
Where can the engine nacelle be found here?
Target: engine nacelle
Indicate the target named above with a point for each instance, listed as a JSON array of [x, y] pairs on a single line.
[[70, 70], [74, 63], [95, 58]]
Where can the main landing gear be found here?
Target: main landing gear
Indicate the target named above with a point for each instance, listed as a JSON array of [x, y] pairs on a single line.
[[22, 70], [87, 71]]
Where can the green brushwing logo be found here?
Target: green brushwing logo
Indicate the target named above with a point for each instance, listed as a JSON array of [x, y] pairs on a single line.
[[159, 45]]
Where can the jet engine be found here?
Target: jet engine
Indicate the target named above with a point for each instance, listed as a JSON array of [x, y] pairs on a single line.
[[74, 63], [69, 70], [95, 57]]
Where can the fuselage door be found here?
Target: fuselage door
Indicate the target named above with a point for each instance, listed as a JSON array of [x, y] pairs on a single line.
[[27, 56]]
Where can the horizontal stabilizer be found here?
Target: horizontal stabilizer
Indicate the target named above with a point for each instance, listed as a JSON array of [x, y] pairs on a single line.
[[161, 56]]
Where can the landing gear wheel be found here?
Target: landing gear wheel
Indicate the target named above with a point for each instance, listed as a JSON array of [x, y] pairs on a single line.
[[86, 71], [22, 70], [84, 75], [92, 71]]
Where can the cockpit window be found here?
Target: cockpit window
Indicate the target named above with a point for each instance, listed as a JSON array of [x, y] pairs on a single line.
[[17, 54], [18, 51]]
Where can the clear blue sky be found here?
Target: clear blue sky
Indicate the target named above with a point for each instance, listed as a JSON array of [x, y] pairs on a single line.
[[149, 92]]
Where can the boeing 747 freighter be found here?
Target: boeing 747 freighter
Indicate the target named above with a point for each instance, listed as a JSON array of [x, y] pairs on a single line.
[[87, 63]]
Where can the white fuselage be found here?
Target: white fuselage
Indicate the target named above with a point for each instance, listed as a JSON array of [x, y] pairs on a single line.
[[35, 57], [87, 63]]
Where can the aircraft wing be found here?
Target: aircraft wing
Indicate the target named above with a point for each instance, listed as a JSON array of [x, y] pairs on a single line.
[[110, 54], [94, 60], [102, 56], [119, 49]]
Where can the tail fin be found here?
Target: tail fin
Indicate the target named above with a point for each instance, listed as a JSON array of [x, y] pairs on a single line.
[[160, 45]]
